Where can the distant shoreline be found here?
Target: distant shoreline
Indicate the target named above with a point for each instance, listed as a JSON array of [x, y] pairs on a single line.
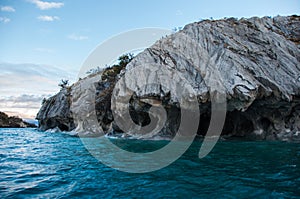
[[14, 122]]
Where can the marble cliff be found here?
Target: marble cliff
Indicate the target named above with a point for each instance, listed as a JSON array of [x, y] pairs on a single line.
[[258, 64]]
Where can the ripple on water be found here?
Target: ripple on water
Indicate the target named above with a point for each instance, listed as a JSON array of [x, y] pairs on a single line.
[[37, 164]]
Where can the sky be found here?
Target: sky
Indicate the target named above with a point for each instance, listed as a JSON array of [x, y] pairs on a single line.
[[42, 42]]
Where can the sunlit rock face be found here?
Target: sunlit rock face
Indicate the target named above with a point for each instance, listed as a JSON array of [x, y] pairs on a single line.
[[55, 112], [254, 62]]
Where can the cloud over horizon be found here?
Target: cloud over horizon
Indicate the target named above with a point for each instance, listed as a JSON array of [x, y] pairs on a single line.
[[23, 86], [24, 106]]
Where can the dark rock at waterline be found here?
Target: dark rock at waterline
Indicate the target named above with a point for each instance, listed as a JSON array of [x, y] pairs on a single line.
[[256, 60]]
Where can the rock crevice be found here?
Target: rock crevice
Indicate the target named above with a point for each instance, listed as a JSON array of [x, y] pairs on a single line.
[[255, 62]]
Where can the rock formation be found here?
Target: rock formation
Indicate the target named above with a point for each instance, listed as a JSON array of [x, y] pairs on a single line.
[[255, 62], [55, 112]]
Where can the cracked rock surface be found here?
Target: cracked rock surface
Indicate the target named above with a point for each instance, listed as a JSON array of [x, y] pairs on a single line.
[[254, 62]]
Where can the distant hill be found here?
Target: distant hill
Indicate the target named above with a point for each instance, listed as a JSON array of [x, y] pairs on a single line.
[[13, 122]]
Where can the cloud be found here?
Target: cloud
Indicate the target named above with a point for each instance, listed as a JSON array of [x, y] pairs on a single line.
[[4, 19], [44, 5], [23, 98], [25, 106], [77, 37], [179, 13], [27, 115], [22, 101], [28, 79], [44, 50], [7, 9], [23, 86], [47, 18]]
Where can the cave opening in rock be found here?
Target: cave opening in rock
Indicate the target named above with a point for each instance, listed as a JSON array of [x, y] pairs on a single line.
[[265, 123], [203, 123], [139, 112], [63, 127], [49, 123], [236, 124]]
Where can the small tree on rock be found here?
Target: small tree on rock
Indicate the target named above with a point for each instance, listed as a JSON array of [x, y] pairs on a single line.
[[125, 59], [63, 83]]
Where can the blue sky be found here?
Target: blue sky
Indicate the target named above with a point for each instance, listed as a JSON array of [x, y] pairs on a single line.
[[54, 34], [81, 25]]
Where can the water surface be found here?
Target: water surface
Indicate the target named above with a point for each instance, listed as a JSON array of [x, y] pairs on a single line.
[[37, 164]]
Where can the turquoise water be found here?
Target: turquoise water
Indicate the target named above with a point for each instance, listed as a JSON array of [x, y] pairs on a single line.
[[37, 164]]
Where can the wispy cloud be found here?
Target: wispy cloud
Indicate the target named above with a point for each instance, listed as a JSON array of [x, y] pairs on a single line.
[[44, 5], [44, 50], [17, 79], [7, 9], [23, 98], [25, 106], [4, 19], [47, 18], [179, 13], [23, 86], [77, 37]]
